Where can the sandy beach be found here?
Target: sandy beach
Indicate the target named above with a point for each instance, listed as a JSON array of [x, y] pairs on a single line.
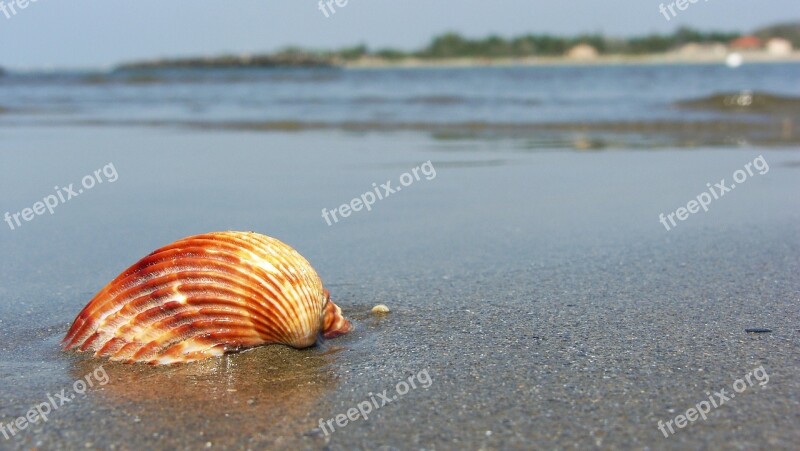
[[537, 289]]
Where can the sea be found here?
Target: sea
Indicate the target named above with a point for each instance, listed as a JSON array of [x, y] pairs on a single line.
[[561, 103]]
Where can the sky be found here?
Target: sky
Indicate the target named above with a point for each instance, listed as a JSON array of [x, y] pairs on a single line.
[[50, 34]]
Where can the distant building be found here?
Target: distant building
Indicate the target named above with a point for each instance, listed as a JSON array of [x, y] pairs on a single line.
[[700, 50], [779, 47], [582, 52], [746, 43]]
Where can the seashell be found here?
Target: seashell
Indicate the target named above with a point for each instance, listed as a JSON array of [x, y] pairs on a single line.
[[204, 296]]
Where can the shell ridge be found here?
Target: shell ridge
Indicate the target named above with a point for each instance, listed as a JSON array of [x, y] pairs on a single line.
[[220, 329], [168, 272], [181, 317], [164, 259], [225, 288]]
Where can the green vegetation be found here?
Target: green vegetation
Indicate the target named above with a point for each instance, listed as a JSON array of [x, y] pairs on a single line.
[[662, 43], [453, 45], [790, 31]]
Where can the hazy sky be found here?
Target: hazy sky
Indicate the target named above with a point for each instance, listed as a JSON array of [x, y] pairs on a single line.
[[85, 33]]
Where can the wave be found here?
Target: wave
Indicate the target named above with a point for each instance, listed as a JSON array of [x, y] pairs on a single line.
[[554, 135], [429, 100], [437, 100], [745, 102]]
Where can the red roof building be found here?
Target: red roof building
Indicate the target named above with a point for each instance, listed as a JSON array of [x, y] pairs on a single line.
[[746, 43]]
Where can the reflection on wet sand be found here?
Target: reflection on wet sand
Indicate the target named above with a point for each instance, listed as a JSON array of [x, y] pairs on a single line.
[[769, 130], [268, 392]]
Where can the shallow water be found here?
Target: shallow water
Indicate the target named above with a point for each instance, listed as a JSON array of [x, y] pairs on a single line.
[[542, 108], [496, 95]]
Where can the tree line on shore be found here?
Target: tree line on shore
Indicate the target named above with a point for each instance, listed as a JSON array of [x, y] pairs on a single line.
[[454, 45]]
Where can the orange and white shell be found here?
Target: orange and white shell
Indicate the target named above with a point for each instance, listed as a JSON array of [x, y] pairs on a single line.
[[204, 296]]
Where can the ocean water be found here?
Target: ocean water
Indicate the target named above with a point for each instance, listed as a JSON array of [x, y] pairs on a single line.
[[401, 97]]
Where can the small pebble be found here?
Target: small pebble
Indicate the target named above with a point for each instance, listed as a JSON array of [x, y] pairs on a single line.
[[758, 331], [380, 308]]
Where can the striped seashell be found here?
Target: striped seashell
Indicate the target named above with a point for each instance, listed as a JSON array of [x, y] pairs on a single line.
[[204, 296]]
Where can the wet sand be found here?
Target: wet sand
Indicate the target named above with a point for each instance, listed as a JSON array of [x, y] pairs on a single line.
[[537, 289]]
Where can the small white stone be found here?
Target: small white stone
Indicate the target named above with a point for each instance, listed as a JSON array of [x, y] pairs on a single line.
[[380, 308]]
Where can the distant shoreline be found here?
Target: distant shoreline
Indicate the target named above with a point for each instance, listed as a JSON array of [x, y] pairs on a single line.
[[247, 62], [372, 62], [602, 60]]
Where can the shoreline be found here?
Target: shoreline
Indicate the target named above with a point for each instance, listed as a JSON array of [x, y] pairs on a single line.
[[603, 60], [651, 59]]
